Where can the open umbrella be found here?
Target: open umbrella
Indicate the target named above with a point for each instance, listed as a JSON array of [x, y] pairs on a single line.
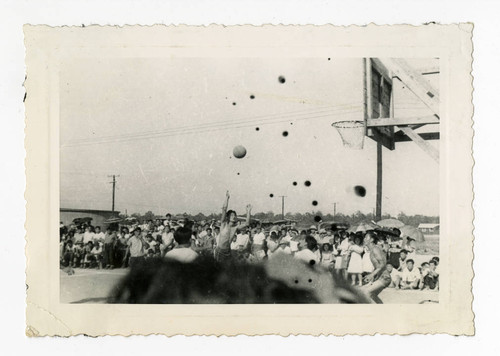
[[113, 220], [362, 227], [413, 232], [393, 223]]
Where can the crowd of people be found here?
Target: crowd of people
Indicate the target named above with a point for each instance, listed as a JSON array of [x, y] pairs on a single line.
[[344, 254]]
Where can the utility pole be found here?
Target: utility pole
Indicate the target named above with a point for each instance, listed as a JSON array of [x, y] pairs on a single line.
[[334, 210], [378, 205], [282, 206], [113, 197]]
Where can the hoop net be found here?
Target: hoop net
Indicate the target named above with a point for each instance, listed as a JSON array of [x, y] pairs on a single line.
[[352, 133]]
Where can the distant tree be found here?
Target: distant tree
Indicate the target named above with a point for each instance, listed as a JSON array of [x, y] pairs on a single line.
[[149, 215]]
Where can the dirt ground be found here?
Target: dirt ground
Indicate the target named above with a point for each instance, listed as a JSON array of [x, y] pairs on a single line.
[[94, 286]]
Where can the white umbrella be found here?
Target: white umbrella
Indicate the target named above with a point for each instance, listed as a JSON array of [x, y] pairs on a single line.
[[413, 232], [391, 223]]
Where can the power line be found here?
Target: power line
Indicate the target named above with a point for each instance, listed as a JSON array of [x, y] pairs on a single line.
[[207, 128], [224, 122], [198, 131]]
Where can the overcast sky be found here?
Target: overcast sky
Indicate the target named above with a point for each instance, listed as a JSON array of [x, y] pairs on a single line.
[[167, 127]]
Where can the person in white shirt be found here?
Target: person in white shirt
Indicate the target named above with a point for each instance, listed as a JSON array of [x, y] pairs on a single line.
[[168, 220], [183, 252], [411, 248], [306, 248], [272, 243], [88, 236], [283, 248], [342, 258], [99, 235], [294, 242], [410, 277], [242, 240], [327, 257], [168, 240], [395, 276], [258, 244]]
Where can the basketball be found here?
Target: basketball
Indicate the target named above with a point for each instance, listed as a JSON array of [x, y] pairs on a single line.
[[239, 151]]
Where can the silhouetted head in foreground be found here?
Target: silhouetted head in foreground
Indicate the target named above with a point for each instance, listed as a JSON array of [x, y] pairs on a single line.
[[280, 280]]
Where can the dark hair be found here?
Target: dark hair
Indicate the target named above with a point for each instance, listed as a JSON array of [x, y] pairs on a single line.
[[167, 215], [311, 242], [403, 251], [182, 235], [228, 214], [396, 231], [137, 229], [208, 228], [436, 259], [372, 236], [433, 261], [410, 260], [159, 281]]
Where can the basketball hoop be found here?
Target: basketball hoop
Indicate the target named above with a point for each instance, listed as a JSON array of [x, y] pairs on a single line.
[[352, 133]]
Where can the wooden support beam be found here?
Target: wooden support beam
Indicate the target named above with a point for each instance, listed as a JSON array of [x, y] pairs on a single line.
[[401, 137], [415, 82], [394, 121], [424, 145]]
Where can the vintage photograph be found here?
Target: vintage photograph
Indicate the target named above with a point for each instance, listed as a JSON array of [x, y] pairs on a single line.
[[249, 180], [241, 180]]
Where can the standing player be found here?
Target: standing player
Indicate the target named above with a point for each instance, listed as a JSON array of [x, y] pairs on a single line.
[[228, 226], [380, 278]]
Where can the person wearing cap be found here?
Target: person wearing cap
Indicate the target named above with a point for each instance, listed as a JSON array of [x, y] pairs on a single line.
[[283, 247]]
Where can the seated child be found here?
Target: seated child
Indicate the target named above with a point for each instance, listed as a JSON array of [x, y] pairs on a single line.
[[97, 255], [410, 277], [431, 278]]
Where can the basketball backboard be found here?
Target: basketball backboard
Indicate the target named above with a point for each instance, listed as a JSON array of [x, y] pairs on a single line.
[[400, 96]]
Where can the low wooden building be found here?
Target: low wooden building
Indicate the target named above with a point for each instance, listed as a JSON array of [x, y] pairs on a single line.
[[67, 215]]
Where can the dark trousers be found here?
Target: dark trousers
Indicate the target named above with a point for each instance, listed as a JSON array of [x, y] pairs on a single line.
[[109, 255]]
